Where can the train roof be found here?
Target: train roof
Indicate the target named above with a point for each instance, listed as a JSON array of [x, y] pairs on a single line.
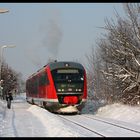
[[60, 64]]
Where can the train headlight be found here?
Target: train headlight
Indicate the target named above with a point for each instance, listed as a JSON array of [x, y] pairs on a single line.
[[59, 89], [80, 90], [82, 78]]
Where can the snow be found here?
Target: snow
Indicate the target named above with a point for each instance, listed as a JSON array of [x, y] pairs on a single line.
[[115, 111], [121, 112], [17, 121], [52, 121]]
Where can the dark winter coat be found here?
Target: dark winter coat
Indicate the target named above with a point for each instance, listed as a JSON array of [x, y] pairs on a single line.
[[9, 96]]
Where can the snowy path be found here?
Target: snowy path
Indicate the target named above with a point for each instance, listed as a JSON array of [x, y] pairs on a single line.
[[18, 122]]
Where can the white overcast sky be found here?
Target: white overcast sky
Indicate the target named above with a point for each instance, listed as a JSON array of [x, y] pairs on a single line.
[[62, 31]]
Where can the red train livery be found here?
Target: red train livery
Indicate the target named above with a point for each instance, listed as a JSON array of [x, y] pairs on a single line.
[[59, 87]]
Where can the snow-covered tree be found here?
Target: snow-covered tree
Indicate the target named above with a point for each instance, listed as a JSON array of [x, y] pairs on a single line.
[[120, 54], [10, 79]]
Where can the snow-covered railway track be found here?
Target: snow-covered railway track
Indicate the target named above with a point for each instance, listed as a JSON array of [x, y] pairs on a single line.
[[116, 123], [86, 128], [100, 127]]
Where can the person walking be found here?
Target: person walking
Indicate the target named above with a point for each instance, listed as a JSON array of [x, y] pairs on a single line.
[[9, 98]]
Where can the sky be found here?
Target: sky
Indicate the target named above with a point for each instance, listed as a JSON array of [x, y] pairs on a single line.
[[44, 31], [26, 120]]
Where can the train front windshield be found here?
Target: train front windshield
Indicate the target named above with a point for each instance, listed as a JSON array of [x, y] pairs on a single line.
[[68, 80]]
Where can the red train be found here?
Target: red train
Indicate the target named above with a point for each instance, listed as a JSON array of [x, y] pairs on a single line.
[[59, 87]]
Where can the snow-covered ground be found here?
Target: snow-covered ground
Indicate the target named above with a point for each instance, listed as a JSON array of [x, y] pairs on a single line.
[[25, 120], [115, 111]]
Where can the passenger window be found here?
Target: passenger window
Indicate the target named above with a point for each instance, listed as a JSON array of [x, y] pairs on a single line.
[[43, 79]]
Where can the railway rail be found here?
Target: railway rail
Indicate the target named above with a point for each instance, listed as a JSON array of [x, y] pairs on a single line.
[[120, 124], [101, 127]]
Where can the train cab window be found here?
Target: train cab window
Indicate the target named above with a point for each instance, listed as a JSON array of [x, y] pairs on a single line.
[[68, 80]]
